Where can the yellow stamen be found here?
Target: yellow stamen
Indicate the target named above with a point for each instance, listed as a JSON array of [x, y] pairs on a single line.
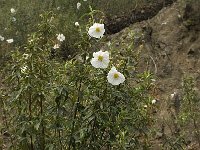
[[98, 29], [116, 76], [100, 58]]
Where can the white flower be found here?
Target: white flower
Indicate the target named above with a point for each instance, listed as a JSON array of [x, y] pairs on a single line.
[[24, 69], [85, 0], [58, 8], [14, 19], [163, 23], [1, 38], [76, 24], [145, 106], [25, 56], [61, 37], [9, 40], [12, 10], [56, 46], [109, 43], [114, 77], [153, 101], [78, 5], [97, 30], [173, 95], [100, 59]]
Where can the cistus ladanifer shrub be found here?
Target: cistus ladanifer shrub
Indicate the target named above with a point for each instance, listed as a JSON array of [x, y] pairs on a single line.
[[93, 100]]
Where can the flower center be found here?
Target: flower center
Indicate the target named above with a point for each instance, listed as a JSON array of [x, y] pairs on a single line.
[[116, 76], [98, 29], [100, 58]]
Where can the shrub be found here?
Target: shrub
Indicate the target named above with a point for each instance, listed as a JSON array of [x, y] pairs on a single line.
[[52, 104]]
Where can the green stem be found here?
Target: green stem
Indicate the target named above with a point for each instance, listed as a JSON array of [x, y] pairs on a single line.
[[5, 121], [75, 113], [76, 103], [60, 141], [58, 123], [30, 117], [42, 125], [30, 101], [197, 133]]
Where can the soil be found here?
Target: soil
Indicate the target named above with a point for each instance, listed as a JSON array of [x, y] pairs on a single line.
[[117, 23], [171, 51]]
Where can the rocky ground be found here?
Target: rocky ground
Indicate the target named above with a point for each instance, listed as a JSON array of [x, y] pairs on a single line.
[[171, 51], [174, 47], [116, 23]]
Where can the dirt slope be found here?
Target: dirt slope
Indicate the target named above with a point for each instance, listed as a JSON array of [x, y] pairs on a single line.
[[171, 50], [115, 24], [174, 48]]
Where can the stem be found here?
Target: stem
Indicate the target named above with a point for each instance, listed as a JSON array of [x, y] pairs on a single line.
[[60, 139], [58, 122], [42, 124], [5, 121], [30, 101], [75, 113], [197, 133], [55, 133], [76, 104], [30, 117], [41, 114]]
